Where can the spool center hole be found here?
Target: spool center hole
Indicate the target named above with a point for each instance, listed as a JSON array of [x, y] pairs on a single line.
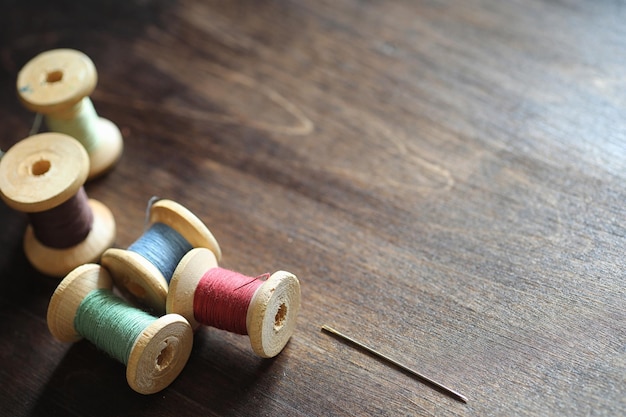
[[40, 167], [279, 318], [166, 356], [54, 76]]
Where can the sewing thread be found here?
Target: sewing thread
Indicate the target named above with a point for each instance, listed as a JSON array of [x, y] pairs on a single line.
[[83, 126], [163, 247], [109, 323], [222, 298], [65, 225]]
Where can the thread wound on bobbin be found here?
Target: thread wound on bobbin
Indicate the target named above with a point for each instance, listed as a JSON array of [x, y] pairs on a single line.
[[57, 84], [144, 270], [272, 309], [155, 350], [43, 176]]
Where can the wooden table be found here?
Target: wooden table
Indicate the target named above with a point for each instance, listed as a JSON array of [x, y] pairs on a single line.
[[446, 178]]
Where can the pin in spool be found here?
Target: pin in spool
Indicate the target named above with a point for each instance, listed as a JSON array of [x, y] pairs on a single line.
[[42, 175], [136, 276], [57, 84]]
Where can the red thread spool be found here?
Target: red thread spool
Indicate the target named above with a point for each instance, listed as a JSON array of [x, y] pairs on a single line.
[[222, 298], [265, 310], [43, 176]]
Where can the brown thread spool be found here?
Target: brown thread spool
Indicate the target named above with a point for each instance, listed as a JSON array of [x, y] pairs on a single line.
[[139, 279], [272, 312], [57, 83], [159, 353], [40, 175]]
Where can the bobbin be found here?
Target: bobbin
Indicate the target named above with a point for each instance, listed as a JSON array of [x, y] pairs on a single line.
[[140, 280], [57, 83], [158, 355], [272, 312], [40, 173]]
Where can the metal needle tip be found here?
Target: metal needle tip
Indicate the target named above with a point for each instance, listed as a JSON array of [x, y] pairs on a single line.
[[405, 368]]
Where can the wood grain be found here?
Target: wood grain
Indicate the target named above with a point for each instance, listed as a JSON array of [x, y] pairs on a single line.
[[446, 179]]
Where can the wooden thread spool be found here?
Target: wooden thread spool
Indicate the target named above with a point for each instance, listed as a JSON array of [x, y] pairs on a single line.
[[141, 280], [58, 83], [157, 355], [271, 314], [39, 176]]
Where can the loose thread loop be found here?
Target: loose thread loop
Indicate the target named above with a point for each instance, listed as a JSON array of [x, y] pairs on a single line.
[[65, 225], [222, 298], [34, 129], [163, 247], [146, 222], [109, 323], [83, 125]]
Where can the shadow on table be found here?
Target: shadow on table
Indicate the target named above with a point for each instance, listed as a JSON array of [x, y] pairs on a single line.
[[88, 382]]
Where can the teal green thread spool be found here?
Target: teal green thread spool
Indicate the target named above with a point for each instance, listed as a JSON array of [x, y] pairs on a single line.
[[110, 323], [57, 83], [142, 280], [154, 350]]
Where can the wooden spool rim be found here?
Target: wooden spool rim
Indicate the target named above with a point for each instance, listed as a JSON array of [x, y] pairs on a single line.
[[42, 171], [186, 223], [159, 354], [185, 281], [56, 80], [67, 298], [59, 262], [272, 314], [137, 278], [109, 149]]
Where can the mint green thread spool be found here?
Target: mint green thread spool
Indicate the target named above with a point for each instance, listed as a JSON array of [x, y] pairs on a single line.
[[154, 350], [57, 84], [110, 323], [80, 126]]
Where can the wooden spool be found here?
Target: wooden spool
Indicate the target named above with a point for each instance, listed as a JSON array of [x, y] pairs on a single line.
[[140, 280], [272, 313], [158, 355], [41, 172], [57, 83]]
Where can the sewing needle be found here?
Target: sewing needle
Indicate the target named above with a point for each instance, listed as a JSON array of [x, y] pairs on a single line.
[[380, 355]]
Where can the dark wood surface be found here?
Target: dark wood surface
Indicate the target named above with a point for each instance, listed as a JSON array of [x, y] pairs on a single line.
[[446, 178]]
